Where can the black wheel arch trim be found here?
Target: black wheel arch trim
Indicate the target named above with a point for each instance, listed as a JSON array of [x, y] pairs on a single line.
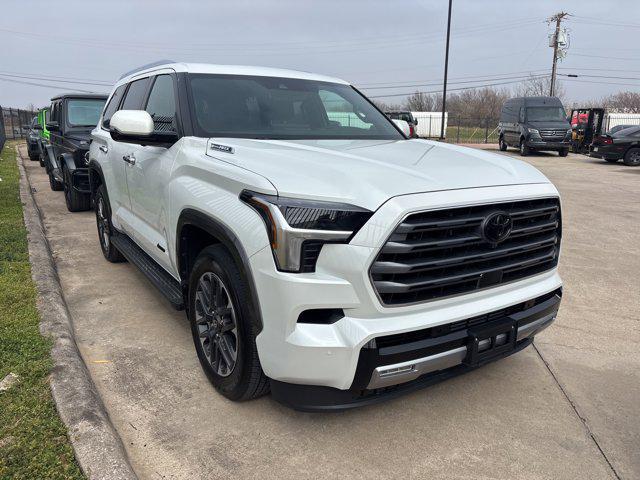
[[226, 237]]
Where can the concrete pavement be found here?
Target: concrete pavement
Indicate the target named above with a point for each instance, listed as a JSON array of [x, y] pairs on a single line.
[[571, 412]]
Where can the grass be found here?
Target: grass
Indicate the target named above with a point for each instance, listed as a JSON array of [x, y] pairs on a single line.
[[33, 440]]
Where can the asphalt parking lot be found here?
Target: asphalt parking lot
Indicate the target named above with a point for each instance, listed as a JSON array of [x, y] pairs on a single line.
[[568, 408]]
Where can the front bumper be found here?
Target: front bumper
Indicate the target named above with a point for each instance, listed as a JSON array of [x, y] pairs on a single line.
[[328, 355], [540, 144]]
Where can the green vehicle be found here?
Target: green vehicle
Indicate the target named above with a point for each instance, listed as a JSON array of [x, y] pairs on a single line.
[[43, 140]]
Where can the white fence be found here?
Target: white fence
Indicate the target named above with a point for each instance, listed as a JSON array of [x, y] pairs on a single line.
[[613, 119], [429, 123]]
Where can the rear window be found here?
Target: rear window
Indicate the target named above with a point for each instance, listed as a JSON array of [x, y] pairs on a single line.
[[626, 132], [84, 112]]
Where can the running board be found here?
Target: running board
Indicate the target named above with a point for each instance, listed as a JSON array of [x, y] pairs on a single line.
[[164, 282]]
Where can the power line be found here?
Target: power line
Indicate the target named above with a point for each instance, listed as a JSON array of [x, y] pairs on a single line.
[[598, 76], [520, 77], [57, 80], [605, 56], [41, 84], [453, 89], [466, 77]]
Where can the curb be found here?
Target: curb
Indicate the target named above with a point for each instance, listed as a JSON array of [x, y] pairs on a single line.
[[96, 444]]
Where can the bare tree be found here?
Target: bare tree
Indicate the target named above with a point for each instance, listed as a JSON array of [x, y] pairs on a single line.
[[622, 102], [387, 107], [536, 86], [420, 102]]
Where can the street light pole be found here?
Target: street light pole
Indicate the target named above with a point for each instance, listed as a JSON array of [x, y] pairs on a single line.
[[446, 67]]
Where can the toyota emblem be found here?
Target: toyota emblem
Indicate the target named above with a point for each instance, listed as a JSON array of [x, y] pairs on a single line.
[[496, 227]]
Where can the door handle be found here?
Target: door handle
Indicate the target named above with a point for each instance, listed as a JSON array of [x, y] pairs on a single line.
[[130, 159], [104, 149]]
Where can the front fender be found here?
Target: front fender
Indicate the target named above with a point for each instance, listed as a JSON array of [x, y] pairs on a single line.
[[66, 160]]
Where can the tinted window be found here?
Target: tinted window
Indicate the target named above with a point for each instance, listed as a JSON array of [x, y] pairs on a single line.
[[135, 95], [161, 104], [285, 108], [46, 115], [546, 114], [84, 112], [625, 132], [112, 106]]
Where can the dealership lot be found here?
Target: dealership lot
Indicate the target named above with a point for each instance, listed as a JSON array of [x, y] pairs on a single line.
[[571, 411]]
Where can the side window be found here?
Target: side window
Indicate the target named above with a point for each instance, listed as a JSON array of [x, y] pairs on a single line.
[[521, 119], [52, 115], [135, 95], [162, 104], [112, 106]]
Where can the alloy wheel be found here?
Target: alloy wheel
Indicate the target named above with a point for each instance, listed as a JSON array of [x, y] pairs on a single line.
[[103, 224], [216, 321]]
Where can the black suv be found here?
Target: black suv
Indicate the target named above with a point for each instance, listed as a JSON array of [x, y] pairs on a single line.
[[534, 124], [32, 139], [71, 119]]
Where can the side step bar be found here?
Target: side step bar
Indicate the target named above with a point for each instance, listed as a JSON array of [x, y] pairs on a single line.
[[164, 282]]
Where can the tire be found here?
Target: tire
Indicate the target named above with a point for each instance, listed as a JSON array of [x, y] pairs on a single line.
[[632, 157], [41, 158], [105, 228], [524, 149], [564, 152], [55, 185], [76, 201], [502, 145], [33, 156], [216, 334]]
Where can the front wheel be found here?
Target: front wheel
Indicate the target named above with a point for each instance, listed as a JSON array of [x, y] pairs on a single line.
[[224, 327], [105, 229], [564, 152], [76, 201], [632, 157], [502, 145], [55, 185], [524, 149]]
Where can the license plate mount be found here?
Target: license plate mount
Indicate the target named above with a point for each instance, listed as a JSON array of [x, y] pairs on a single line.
[[492, 340]]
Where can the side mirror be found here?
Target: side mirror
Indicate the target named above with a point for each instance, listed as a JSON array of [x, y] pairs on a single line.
[[37, 126], [131, 123], [403, 126], [136, 126], [53, 126], [416, 121]]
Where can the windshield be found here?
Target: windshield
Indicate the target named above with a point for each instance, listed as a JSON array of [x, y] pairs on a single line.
[[546, 114], [85, 112], [284, 108], [46, 116]]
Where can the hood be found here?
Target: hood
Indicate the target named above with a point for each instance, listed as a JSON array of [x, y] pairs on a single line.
[[367, 173]]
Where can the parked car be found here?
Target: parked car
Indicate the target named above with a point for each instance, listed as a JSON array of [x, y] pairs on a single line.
[[622, 145], [407, 117], [336, 265], [32, 139], [534, 124], [43, 134], [617, 128], [71, 120]]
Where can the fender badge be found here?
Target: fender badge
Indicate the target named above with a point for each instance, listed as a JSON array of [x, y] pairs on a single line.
[[221, 148]]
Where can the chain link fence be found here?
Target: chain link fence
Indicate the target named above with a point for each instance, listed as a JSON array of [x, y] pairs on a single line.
[[472, 130], [13, 122]]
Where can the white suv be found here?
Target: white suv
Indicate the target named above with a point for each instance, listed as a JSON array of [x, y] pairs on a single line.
[[317, 250]]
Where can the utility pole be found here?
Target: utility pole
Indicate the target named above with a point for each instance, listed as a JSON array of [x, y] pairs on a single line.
[[446, 67], [558, 19]]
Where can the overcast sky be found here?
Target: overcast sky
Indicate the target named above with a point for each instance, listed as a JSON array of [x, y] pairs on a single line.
[[368, 42]]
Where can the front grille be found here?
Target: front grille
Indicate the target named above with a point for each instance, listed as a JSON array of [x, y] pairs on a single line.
[[553, 134], [441, 253]]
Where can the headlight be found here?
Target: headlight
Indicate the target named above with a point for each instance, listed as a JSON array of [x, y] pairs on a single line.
[[534, 131], [568, 132], [299, 228]]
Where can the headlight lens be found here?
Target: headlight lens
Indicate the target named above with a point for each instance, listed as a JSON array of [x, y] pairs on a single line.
[[294, 225], [534, 131]]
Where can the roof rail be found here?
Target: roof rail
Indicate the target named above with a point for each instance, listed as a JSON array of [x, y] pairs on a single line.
[[144, 67]]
